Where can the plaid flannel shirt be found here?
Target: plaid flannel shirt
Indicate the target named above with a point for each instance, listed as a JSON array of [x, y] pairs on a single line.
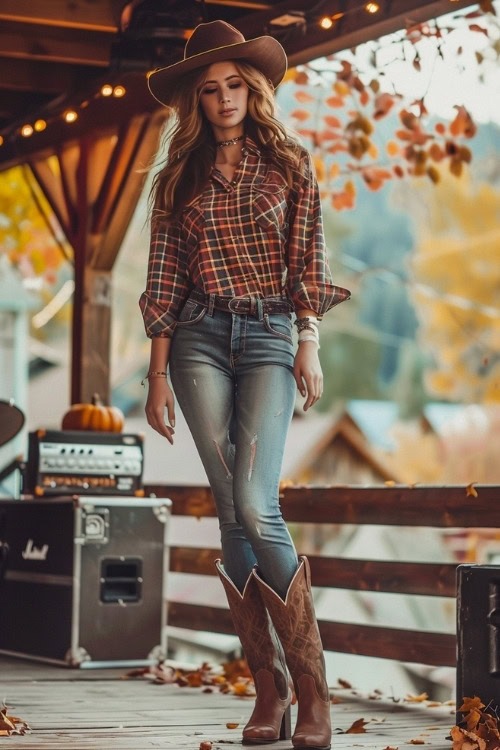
[[252, 235]]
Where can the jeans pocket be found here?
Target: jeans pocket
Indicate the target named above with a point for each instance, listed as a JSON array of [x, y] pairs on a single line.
[[191, 313], [279, 325]]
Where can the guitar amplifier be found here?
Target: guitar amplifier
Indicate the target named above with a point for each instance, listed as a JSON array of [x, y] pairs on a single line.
[[478, 635], [83, 580], [62, 462]]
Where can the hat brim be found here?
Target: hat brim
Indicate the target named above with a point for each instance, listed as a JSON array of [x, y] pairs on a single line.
[[265, 52]]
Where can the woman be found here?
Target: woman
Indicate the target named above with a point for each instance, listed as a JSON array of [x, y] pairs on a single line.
[[237, 245]]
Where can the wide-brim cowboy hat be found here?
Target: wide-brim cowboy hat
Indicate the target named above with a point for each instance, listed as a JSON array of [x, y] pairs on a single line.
[[215, 41]]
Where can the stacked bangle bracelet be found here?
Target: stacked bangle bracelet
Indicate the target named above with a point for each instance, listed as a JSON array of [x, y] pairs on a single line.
[[308, 323], [150, 374]]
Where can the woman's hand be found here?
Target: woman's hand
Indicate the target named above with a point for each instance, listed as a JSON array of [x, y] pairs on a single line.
[[160, 395], [307, 366]]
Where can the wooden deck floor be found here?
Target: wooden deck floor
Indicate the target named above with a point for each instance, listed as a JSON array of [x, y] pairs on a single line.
[[73, 709]]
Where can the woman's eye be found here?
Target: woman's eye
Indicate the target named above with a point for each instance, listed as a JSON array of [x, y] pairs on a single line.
[[232, 86]]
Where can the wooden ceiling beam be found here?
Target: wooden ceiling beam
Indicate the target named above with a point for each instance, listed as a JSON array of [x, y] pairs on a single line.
[[77, 14], [22, 45], [42, 77]]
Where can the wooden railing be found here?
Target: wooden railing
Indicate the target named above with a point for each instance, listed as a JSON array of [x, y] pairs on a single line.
[[451, 507]]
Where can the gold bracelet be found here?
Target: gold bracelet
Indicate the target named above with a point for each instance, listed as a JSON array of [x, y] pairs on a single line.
[[154, 372]]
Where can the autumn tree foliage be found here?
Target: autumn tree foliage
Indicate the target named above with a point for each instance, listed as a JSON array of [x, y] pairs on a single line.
[[358, 102]]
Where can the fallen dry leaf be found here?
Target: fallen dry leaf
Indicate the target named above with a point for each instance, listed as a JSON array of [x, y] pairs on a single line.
[[432, 704], [471, 490], [344, 683], [8, 724], [231, 725], [357, 727], [416, 742], [415, 698], [205, 746], [335, 699]]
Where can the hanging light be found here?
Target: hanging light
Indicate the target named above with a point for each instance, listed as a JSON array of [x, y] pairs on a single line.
[[26, 131], [70, 115], [40, 125], [106, 90], [372, 7], [1, 140], [326, 22], [119, 91]]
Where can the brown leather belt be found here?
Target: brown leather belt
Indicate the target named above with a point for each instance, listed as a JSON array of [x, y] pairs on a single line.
[[243, 305]]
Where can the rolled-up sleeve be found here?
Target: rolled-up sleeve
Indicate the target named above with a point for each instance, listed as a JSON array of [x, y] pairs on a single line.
[[168, 283], [309, 282]]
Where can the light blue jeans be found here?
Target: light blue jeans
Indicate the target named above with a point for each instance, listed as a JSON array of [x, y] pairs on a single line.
[[232, 376]]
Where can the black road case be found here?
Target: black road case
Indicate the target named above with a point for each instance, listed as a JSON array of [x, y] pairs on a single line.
[[478, 635], [83, 580]]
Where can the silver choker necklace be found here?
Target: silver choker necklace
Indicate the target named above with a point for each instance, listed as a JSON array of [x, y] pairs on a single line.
[[230, 141]]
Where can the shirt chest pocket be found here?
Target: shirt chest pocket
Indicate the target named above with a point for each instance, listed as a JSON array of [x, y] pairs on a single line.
[[270, 206]]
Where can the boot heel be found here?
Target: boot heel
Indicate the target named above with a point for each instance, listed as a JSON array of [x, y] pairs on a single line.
[[286, 725]]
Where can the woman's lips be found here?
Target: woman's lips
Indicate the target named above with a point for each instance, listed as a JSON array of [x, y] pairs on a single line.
[[229, 113]]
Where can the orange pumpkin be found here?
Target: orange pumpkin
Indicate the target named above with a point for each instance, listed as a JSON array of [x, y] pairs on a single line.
[[94, 416]]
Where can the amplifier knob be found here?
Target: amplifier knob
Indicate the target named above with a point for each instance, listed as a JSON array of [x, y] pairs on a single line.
[[71, 461], [60, 461]]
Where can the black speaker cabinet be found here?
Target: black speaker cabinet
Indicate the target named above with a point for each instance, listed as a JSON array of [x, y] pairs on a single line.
[[83, 580], [478, 635]]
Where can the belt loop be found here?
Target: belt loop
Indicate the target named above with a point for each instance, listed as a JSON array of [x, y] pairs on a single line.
[[211, 301], [259, 308]]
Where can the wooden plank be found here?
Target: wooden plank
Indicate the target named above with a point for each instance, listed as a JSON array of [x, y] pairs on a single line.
[[429, 579], [76, 14], [133, 714], [438, 506], [438, 649], [67, 51]]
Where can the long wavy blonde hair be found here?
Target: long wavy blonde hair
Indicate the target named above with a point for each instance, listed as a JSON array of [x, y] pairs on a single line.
[[192, 147]]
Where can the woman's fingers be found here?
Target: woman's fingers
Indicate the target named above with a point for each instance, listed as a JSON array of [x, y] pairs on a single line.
[[156, 420], [314, 384]]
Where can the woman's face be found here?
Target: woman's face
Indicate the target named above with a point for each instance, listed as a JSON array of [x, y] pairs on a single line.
[[224, 88]]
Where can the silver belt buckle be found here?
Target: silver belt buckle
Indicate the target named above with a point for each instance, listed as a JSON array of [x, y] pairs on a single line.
[[232, 300]]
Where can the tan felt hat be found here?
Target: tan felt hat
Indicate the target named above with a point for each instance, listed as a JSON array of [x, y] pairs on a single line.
[[215, 41]]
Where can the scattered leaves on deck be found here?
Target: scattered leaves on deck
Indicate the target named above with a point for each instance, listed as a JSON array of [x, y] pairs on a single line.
[[478, 730], [8, 724]]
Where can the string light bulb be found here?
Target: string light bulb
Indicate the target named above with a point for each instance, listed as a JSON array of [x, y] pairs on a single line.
[[40, 125], [70, 115], [26, 131], [326, 22], [372, 7], [119, 91], [106, 90], [1, 140]]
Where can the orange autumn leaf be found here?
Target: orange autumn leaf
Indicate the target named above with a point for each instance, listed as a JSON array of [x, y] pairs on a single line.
[[335, 101], [303, 96], [300, 114], [364, 98], [231, 725], [470, 703], [471, 491], [301, 78], [416, 742], [341, 88], [334, 170], [332, 121], [392, 148], [410, 698]]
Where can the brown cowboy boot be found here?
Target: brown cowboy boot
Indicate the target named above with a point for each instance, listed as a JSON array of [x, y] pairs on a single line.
[[271, 717], [297, 628]]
